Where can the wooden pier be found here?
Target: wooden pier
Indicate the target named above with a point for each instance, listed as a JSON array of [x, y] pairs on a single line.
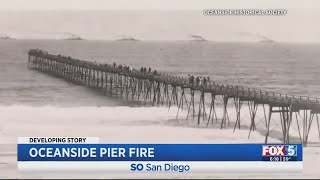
[[161, 89]]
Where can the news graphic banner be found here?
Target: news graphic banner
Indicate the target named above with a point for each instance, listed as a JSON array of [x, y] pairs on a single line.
[[87, 154]]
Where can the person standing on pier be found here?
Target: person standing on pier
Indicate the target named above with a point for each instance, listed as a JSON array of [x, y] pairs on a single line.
[[208, 80], [120, 68], [197, 81], [189, 77], [204, 81], [192, 80]]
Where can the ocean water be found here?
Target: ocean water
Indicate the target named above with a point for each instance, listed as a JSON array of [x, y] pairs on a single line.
[[36, 104]]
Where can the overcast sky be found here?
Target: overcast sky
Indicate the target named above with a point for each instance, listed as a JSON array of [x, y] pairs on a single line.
[[159, 19]]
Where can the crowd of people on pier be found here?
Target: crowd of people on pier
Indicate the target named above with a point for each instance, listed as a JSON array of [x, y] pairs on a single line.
[[192, 81], [199, 81], [114, 67], [143, 70]]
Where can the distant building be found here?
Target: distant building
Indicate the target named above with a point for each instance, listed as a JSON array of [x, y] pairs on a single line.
[[73, 37], [198, 38], [6, 37], [267, 41], [127, 38]]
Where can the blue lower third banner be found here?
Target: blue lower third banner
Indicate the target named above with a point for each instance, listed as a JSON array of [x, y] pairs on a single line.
[[161, 157]]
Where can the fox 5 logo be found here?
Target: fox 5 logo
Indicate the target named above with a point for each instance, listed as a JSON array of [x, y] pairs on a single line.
[[286, 150]]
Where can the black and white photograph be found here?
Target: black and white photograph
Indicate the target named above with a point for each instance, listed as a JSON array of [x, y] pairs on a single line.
[[161, 72]]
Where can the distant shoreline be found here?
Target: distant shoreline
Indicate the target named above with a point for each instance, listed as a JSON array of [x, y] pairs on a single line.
[[168, 41]]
